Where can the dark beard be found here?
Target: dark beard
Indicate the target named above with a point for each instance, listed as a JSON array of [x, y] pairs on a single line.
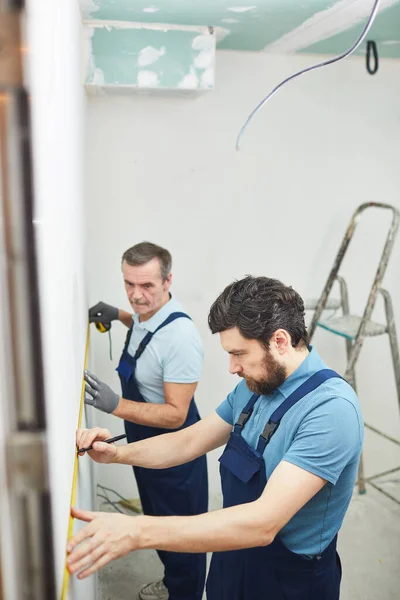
[[276, 376]]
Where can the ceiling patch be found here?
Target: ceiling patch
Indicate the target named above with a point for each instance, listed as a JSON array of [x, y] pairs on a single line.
[[149, 55], [241, 9], [230, 21], [190, 81], [221, 33], [151, 9], [147, 79], [207, 78], [158, 57], [202, 42], [325, 24], [98, 77], [204, 59], [88, 7]]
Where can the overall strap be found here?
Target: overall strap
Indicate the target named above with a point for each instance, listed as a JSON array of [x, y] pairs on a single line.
[[305, 388], [149, 335], [128, 336], [246, 413]]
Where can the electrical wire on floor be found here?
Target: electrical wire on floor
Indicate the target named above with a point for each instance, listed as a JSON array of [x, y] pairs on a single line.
[[131, 505], [113, 504], [312, 68]]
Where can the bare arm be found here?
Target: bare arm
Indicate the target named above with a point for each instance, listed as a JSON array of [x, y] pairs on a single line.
[[170, 415], [125, 317], [244, 526], [162, 451]]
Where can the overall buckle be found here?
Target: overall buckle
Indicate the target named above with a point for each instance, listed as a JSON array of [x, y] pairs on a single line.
[[269, 430]]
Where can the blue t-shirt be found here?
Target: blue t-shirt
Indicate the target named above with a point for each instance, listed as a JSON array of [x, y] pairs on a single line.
[[323, 434], [174, 354]]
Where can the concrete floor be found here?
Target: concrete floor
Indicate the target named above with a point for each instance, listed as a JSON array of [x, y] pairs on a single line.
[[369, 546]]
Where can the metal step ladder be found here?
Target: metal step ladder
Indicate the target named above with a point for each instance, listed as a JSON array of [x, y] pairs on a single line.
[[355, 328]]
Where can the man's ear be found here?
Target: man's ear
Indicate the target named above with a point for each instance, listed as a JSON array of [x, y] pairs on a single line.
[[281, 340]]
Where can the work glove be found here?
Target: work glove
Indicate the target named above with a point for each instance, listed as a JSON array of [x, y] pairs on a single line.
[[103, 313], [99, 394]]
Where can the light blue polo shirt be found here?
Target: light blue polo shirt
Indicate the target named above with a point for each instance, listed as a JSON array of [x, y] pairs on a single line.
[[323, 434], [174, 354]]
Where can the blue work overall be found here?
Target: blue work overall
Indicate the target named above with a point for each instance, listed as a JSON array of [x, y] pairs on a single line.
[[269, 572], [181, 490]]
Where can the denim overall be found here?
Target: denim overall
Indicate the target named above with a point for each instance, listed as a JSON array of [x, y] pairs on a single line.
[[269, 572]]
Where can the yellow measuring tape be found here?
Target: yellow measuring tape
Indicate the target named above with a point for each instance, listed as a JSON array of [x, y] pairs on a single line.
[[75, 475]]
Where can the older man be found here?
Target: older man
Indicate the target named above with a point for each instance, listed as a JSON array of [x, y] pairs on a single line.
[[159, 369]]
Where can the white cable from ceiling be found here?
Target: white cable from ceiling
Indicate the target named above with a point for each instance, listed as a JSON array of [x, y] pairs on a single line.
[[312, 68]]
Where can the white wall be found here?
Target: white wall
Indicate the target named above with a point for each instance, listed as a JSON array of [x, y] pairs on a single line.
[[166, 170], [54, 69]]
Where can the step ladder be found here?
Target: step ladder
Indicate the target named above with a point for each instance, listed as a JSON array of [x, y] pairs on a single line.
[[354, 329]]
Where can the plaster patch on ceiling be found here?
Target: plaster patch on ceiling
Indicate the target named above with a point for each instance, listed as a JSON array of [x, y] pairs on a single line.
[[149, 55], [221, 33], [390, 42], [147, 79], [325, 24], [204, 59], [88, 7], [151, 9], [202, 42], [88, 50], [207, 78], [241, 9], [98, 77], [230, 21], [190, 81]]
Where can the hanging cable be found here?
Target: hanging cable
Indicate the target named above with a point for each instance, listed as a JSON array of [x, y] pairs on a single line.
[[372, 48], [110, 343], [312, 68]]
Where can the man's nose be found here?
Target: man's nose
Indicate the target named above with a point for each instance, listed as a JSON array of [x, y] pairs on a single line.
[[234, 367], [135, 294]]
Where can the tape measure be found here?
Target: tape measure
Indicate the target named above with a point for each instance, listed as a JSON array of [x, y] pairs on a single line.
[[64, 589], [103, 327]]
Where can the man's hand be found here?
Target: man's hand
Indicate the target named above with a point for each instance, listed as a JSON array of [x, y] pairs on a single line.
[[101, 453], [99, 394], [108, 536], [103, 313]]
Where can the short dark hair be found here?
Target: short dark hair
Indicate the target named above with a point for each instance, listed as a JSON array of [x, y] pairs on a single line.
[[142, 253], [258, 306]]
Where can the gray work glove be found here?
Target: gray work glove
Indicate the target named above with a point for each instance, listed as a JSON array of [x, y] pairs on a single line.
[[99, 394], [103, 313]]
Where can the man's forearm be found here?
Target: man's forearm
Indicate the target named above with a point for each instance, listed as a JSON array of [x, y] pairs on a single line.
[[159, 452], [165, 416], [125, 317], [178, 447], [238, 527]]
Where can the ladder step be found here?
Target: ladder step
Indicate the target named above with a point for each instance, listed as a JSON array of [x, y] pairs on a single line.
[[311, 304], [348, 325]]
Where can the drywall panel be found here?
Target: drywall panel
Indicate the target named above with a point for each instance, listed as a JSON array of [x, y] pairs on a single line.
[[54, 74]]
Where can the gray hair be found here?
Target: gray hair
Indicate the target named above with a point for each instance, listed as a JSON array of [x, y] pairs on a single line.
[[142, 253]]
